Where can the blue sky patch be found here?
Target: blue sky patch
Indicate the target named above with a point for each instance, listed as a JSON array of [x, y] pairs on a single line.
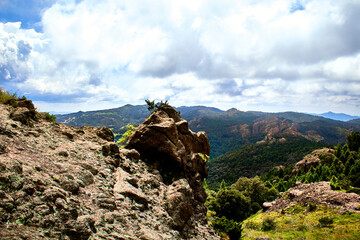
[[296, 6], [28, 12]]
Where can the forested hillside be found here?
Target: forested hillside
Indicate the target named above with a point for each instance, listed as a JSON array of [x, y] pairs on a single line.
[[255, 159], [312, 196], [340, 165], [116, 118]]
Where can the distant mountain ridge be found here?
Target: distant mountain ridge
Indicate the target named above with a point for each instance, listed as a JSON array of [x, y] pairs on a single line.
[[337, 116], [227, 130], [242, 143]]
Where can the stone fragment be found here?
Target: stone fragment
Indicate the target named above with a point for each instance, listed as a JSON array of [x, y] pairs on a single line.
[[69, 183], [52, 193], [110, 149], [130, 153], [105, 133]]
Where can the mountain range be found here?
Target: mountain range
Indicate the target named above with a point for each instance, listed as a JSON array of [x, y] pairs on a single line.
[[242, 143]]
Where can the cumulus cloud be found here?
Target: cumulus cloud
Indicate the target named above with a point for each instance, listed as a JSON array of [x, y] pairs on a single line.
[[245, 54], [15, 50]]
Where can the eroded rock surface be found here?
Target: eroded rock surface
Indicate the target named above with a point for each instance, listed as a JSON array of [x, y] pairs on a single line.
[[61, 182], [318, 193], [164, 139]]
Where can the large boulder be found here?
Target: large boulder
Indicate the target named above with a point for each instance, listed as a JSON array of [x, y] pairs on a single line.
[[165, 141]]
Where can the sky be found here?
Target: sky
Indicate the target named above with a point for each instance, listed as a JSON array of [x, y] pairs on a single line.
[[258, 55]]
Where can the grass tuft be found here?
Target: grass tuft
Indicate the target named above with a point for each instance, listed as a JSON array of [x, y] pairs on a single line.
[[5, 96]]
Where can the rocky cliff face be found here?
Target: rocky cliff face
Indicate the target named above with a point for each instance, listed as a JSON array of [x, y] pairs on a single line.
[[168, 145], [61, 182]]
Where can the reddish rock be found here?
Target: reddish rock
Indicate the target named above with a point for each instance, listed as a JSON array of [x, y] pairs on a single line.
[[179, 203]]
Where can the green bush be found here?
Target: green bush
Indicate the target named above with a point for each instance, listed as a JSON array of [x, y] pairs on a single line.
[[334, 183], [231, 204], [230, 227], [353, 141], [268, 224], [252, 225], [50, 117], [325, 221]]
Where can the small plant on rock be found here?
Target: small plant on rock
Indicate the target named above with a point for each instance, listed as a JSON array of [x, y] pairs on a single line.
[[204, 157], [5, 96], [153, 107]]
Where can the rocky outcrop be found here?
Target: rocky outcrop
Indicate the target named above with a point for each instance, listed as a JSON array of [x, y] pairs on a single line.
[[167, 144], [164, 139], [23, 111], [313, 160], [61, 182], [318, 193]]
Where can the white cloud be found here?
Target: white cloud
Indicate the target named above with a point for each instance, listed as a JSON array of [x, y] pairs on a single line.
[[343, 68], [192, 52], [15, 50]]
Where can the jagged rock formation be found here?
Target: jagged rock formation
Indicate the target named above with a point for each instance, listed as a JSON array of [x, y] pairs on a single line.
[[61, 182], [166, 143], [318, 193]]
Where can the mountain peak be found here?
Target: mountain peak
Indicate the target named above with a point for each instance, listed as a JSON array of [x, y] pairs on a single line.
[[232, 110], [338, 116]]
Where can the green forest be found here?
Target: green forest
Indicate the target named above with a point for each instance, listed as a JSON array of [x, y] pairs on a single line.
[[341, 168], [255, 159], [230, 205]]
